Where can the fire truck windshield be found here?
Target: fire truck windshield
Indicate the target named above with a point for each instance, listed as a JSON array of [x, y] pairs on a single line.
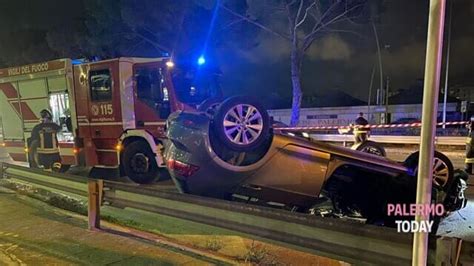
[[195, 86]]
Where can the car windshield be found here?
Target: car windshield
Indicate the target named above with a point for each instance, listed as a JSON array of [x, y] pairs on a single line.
[[195, 86]]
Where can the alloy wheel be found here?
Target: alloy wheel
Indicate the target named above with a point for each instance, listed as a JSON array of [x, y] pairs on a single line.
[[243, 124], [440, 172]]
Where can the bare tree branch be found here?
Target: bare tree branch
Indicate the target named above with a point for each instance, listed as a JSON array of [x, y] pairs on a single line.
[[290, 22], [263, 27], [156, 45], [232, 23], [323, 16], [317, 9], [342, 15], [150, 32], [296, 54], [298, 13], [132, 49], [309, 39], [305, 15]]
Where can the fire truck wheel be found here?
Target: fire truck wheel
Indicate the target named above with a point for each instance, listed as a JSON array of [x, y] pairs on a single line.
[[241, 124], [33, 154], [139, 163]]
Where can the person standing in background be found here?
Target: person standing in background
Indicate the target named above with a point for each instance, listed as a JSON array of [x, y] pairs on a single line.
[[469, 161], [361, 134]]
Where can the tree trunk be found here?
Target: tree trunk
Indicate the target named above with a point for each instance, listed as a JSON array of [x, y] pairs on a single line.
[[296, 84]]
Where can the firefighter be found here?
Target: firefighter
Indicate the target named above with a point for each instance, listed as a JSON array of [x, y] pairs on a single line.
[[470, 147], [46, 135], [361, 134]]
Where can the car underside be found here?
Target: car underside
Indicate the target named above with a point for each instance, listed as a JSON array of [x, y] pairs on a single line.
[[282, 170]]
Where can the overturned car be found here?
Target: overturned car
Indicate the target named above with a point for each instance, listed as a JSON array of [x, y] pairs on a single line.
[[234, 153]]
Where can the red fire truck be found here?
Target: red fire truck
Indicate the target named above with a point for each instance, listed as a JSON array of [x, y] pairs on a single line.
[[112, 112]]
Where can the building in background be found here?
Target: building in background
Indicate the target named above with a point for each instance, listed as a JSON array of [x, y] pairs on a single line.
[[345, 115], [462, 93]]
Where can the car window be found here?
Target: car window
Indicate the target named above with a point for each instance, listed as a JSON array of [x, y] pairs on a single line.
[[150, 83]]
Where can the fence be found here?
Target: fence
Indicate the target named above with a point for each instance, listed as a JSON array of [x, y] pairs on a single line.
[[453, 129], [454, 141]]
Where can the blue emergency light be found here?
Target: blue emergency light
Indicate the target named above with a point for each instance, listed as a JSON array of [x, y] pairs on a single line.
[[201, 60]]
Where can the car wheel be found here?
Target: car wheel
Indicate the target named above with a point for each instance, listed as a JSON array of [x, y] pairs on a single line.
[[241, 124], [370, 147], [209, 106], [33, 159], [443, 172], [139, 163]]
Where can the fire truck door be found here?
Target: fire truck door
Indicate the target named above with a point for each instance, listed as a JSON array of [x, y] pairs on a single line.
[[105, 121], [152, 101], [103, 110]]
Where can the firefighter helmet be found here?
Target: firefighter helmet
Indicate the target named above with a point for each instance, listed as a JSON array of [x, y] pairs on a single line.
[[45, 113]]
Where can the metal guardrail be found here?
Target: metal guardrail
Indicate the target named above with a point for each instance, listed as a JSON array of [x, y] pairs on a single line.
[[334, 238], [442, 140], [328, 237], [72, 184]]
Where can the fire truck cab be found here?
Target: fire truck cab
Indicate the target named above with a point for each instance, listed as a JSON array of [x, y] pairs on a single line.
[[112, 112]]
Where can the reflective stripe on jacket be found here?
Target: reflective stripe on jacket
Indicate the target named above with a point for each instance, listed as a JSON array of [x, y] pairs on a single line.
[[469, 160], [361, 130], [46, 134]]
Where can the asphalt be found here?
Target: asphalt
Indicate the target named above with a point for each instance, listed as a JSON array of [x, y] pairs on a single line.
[[41, 235], [459, 224]]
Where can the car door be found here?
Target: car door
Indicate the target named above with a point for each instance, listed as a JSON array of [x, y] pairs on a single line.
[[295, 169]]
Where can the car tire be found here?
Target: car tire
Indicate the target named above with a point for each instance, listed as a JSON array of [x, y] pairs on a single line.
[[139, 163], [443, 166], [33, 154], [370, 147], [241, 124], [210, 106]]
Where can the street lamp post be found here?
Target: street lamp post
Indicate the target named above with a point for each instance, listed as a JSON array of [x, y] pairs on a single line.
[[445, 100], [434, 54], [369, 100], [380, 89]]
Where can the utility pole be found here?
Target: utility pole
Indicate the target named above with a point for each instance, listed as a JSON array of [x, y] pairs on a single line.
[[369, 101], [434, 54], [387, 89], [380, 89], [445, 100]]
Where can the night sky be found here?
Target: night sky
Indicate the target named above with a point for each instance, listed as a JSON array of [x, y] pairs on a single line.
[[31, 30], [345, 61]]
